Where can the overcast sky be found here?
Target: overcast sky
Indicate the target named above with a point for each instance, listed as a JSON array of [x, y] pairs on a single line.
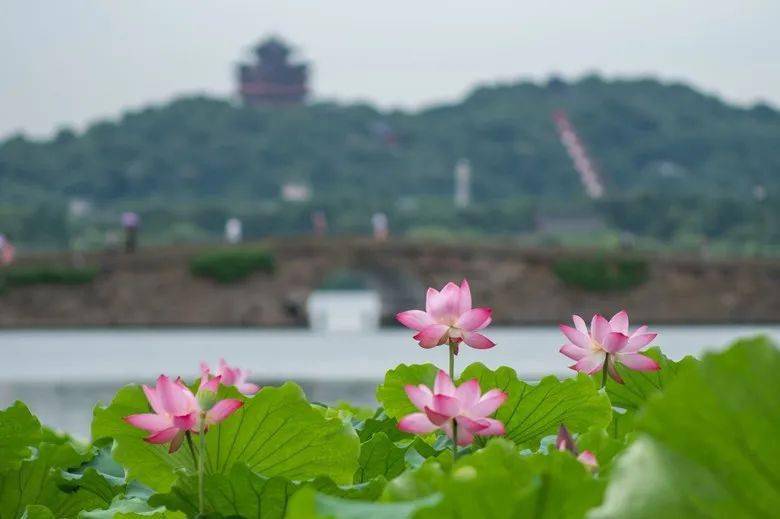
[[69, 62]]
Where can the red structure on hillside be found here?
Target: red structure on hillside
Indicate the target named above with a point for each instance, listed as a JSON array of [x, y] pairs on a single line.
[[272, 79], [589, 175]]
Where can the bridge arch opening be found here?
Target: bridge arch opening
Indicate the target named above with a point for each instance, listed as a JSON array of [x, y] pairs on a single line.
[[353, 299]]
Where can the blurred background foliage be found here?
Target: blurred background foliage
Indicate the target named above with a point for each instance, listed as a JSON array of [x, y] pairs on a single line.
[[682, 169], [602, 274], [227, 266], [45, 275]]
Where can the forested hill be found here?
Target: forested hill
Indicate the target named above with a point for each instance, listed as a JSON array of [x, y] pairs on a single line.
[[647, 138]]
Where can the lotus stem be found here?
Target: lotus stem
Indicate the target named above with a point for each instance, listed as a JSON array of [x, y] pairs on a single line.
[[604, 371], [452, 361], [201, 460], [453, 345], [188, 435]]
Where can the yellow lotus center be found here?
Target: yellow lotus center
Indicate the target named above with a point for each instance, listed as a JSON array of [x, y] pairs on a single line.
[[596, 345]]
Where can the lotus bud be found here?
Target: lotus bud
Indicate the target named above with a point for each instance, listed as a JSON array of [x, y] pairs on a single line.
[[207, 393], [564, 441]]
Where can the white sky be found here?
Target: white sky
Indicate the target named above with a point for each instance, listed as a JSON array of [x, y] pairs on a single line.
[[69, 62]]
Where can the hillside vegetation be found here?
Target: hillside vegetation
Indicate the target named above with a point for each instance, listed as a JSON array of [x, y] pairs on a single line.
[[678, 166]]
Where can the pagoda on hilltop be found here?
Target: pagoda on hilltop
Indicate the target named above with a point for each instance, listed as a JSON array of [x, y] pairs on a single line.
[[272, 79]]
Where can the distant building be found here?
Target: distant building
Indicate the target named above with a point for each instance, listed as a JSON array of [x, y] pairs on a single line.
[[271, 79], [462, 183]]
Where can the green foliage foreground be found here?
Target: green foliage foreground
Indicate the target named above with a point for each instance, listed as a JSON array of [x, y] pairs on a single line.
[[695, 439]]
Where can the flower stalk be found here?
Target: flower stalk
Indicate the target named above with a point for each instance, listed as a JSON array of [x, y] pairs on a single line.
[[188, 435], [201, 460], [449, 319], [604, 371], [453, 352]]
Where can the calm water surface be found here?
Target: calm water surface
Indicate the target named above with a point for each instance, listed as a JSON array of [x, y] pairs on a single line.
[[61, 374]]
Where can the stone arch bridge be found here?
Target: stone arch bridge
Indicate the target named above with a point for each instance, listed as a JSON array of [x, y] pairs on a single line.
[[154, 287]]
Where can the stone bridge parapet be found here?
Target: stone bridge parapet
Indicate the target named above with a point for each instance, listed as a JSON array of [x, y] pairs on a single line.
[[154, 287]]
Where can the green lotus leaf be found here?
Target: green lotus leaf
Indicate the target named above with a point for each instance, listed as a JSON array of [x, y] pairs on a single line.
[[499, 482], [638, 386], [244, 493], [602, 445], [496, 481], [424, 481], [380, 422], [533, 411], [131, 508], [623, 423], [39, 481], [709, 442], [379, 456], [150, 464], [19, 431], [37, 512], [391, 393], [275, 433], [310, 504]]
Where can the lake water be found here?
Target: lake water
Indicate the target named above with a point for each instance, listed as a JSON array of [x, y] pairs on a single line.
[[61, 374]]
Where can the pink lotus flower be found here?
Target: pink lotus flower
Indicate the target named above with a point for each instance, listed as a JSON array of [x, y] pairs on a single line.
[[448, 317], [564, 442], [176, 411], [465, 404], [608, 341], [231, 376]]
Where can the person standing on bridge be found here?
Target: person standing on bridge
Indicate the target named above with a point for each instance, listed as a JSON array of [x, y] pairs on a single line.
[[380, 225], [234, 231], [320, 223], [7, 251], [131, 222]]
